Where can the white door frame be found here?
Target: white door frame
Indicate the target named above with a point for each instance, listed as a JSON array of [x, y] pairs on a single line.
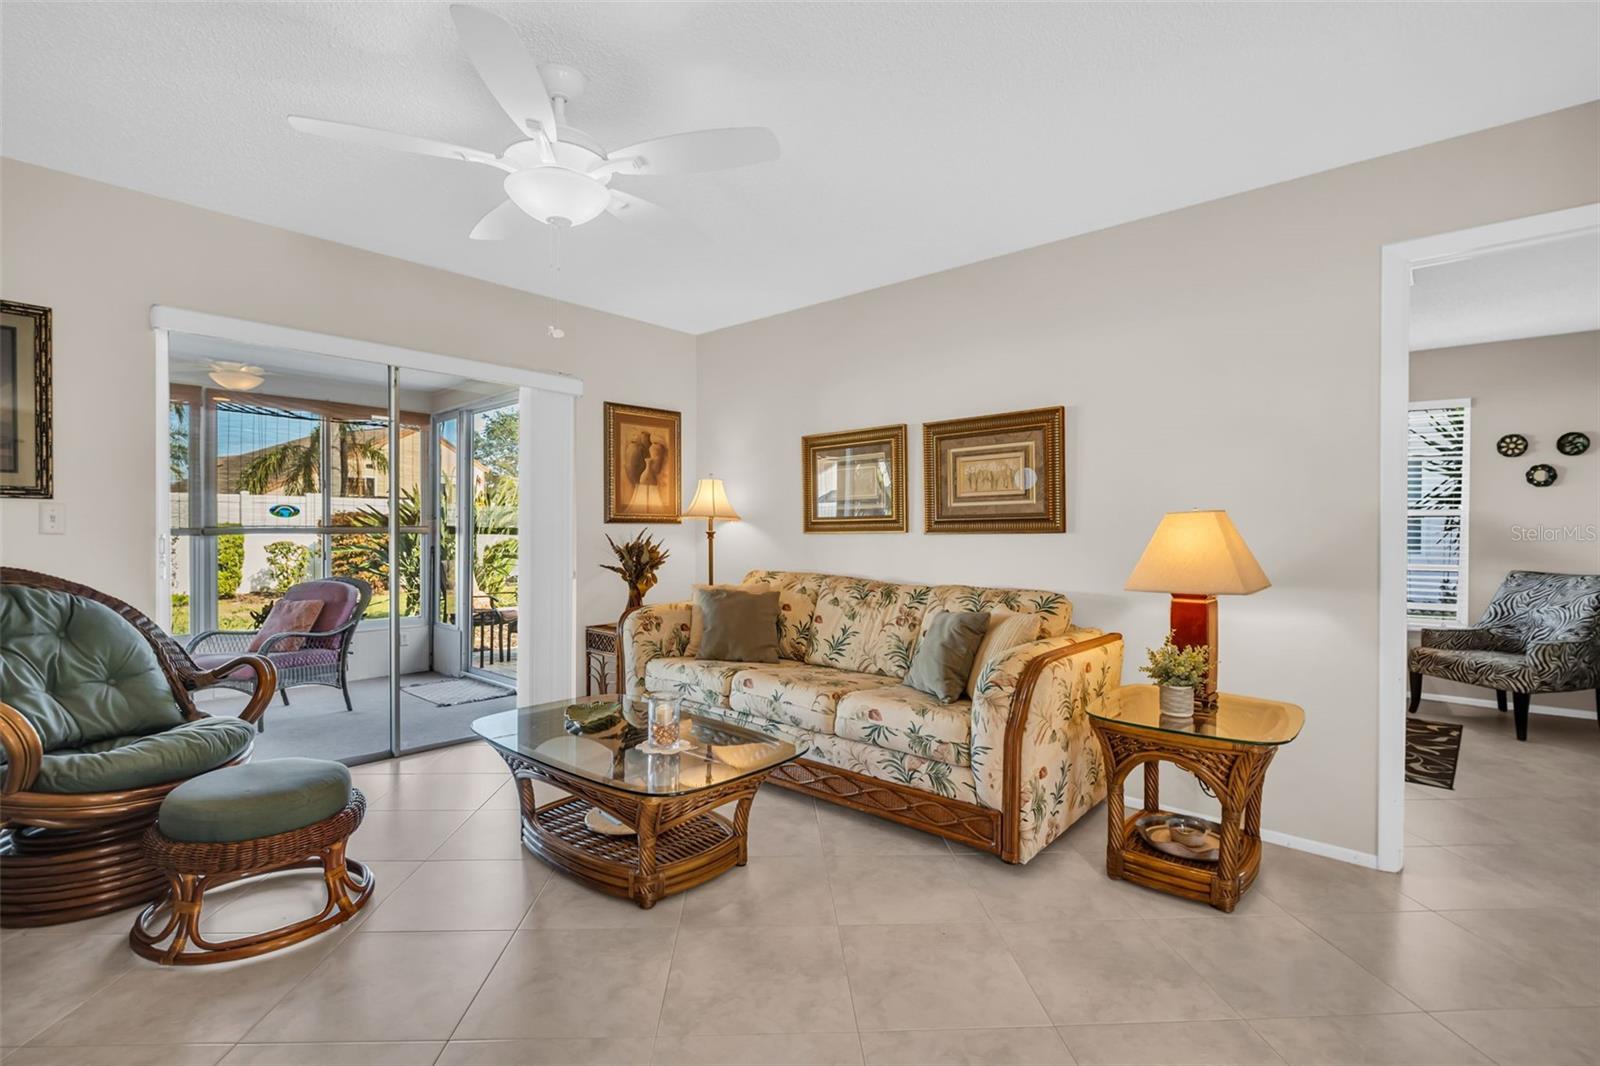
[[1394, 395], [547, 513]]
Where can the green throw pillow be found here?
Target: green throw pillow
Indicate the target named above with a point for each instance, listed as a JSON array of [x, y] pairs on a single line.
[[741, 625], [945, 653]]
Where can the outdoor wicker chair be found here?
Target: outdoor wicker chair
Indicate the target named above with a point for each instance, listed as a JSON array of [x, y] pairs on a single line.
[[318, 656], [97, 725]]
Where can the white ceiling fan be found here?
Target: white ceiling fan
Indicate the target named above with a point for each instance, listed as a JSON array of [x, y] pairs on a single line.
[[558, 175]]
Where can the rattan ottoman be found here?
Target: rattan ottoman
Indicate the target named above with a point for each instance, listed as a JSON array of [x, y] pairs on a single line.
[[243, 822]]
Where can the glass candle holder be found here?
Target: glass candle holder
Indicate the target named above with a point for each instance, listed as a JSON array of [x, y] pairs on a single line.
[[665, 727]]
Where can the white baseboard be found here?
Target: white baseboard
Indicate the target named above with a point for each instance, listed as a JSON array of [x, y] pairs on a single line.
[[1288, 840], [1533, 708]]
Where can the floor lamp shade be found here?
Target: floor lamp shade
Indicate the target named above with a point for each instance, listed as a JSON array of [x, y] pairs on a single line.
[[1197, 556], [711, 503]]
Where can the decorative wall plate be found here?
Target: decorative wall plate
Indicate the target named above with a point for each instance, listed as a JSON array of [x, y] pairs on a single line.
[[1511, 445], [1541, 475], [1572, 443]]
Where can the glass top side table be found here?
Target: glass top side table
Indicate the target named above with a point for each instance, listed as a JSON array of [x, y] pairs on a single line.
[[1228, 749]]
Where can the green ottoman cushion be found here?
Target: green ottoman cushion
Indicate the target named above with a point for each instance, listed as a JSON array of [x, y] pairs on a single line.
[[136, 761], [255, 800]]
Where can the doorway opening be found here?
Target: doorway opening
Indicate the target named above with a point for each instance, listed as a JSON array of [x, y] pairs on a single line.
[[1426, 576]]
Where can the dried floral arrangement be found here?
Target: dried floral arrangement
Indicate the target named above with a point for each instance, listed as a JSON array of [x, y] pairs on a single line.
[[638, 561]]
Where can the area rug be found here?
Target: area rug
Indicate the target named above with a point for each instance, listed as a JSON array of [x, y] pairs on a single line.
[[455, 690], [1432, 749]]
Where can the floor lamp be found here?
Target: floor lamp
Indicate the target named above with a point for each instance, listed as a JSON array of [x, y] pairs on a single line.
[[711, 503]]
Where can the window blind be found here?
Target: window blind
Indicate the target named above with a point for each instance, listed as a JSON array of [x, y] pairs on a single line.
[[1438, 458]]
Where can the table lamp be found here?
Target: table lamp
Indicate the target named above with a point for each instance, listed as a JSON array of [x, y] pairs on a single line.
[[711, 503], [1197, 556]]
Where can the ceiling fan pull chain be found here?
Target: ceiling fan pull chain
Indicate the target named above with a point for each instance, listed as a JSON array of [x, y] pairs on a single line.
[[555, 331]]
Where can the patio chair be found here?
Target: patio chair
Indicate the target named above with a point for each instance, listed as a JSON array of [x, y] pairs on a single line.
[[493, 628], [317, 656], [1540, 633], [97, 725]]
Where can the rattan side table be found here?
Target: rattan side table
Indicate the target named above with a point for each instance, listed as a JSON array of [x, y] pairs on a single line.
[[599, 652], [1228, 749]]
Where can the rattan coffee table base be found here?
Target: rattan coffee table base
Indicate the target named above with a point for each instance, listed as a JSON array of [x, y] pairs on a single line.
[[686, 855], [678, 840]]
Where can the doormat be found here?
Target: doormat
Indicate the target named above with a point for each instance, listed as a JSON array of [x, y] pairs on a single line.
[[455, 690], [1432, 749]]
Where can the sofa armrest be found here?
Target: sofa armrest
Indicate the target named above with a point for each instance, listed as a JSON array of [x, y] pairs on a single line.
[[1033, 752], [659, 629], [23, 748]]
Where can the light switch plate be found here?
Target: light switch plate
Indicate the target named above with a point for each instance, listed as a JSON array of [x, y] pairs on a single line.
[[51, 519]]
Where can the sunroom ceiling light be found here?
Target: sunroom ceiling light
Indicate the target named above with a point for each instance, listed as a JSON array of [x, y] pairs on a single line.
[[241, 376]]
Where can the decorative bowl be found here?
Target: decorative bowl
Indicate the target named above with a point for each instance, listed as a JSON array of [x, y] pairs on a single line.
[[1190, 832]]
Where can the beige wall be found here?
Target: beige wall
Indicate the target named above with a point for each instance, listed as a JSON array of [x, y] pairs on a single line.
[[100, 256], [1225, 355], [1540, 388]]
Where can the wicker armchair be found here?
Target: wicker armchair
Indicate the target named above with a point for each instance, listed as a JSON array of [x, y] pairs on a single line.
[[319, 656], [1540, 633], [97, 725]]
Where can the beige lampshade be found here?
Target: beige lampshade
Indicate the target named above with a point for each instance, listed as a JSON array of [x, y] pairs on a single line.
[[711, 501], [1197, 552]]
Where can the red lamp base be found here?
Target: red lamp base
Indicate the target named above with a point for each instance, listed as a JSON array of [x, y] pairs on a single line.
[[1194, 621]]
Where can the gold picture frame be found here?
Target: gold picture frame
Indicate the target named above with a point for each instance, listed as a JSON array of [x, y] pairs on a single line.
[[855, 481], [644, 464], [26, 464], [1001, 473]]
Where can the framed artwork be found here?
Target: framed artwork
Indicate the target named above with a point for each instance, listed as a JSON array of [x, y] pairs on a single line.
[[855, 482], [644, 464], [996, 474], [25, 463]]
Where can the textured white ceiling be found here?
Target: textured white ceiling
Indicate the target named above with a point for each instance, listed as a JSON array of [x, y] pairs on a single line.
[[916, 137], [1532, 290]]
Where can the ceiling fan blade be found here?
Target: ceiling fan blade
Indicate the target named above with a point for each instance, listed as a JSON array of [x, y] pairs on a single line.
[[500, 223], [692, 153], [399, 142], [510, 75]]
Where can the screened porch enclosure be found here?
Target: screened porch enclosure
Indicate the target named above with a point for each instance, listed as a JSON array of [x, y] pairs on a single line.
[[286, 490]]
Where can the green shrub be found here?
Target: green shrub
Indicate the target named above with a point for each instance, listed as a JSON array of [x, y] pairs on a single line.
[[493, 567], [287, 563], [230, 564]]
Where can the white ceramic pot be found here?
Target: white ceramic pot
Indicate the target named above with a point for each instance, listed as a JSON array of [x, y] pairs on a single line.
[[1177, 702]]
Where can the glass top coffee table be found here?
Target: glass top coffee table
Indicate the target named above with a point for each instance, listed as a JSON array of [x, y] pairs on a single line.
[[669, 837]]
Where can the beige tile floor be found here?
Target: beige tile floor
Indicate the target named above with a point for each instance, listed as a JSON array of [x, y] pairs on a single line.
[[848, 940]]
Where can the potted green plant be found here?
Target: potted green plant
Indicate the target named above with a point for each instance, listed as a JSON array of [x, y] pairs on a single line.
[[1179, 672]]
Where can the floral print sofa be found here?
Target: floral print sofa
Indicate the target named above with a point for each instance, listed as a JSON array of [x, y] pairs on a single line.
[[1007, 771]]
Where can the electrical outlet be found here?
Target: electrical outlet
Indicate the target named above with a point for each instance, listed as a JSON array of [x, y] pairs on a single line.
[[51, 519]]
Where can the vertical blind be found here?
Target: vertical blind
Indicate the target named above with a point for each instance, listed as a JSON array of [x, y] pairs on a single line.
[[1437, 475]]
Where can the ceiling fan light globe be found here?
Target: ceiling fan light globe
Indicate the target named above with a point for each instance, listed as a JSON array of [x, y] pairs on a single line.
[[549, 193], [237, 376]]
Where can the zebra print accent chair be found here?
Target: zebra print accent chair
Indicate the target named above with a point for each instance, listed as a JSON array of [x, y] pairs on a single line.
[[1540, 633]]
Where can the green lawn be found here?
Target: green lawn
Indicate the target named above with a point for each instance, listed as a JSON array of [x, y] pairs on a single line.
[[236, 612]]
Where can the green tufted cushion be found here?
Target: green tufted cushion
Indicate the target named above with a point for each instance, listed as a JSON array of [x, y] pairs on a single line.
[[78, 671], [255, 800], [118, 763]]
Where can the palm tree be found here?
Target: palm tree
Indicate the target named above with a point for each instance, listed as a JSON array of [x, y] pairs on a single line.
[[293, 465]]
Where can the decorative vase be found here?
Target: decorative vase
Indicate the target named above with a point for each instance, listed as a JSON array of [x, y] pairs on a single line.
[[1177, 702], [635, 599]]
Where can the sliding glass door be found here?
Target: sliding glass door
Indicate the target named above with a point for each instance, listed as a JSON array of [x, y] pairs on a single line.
[[470, 553]]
